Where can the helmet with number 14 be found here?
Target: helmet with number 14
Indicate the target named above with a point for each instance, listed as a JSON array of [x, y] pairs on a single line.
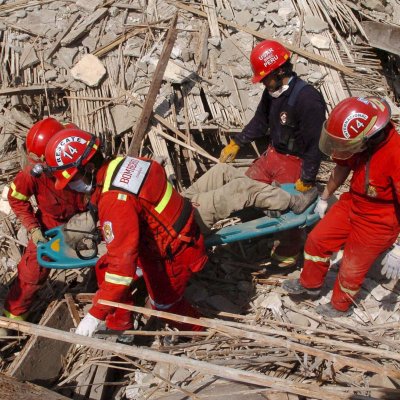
[[351, 124], [67, 152]]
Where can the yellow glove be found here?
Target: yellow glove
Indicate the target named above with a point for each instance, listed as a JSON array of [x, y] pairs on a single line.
[[37, 236], [229, 152], [302, 187]]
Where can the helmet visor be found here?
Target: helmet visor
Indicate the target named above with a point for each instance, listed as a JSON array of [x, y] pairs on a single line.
[[340, 148]]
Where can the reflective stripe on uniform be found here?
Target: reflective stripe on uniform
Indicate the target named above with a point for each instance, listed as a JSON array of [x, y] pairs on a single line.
[[165, 199], [309, 257], [110, 171], [21, 317], [65, 174], [285, 259], [118, 279], [350, 292], [16, 194], [160, 306]]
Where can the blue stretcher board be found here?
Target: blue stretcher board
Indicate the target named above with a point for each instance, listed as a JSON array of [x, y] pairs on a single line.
[[58, 255]]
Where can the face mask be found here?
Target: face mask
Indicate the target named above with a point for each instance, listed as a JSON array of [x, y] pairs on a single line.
[[279, 91], [80, 186]]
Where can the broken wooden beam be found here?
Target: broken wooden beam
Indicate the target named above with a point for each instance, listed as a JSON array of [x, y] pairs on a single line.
[[338, 360], [252, 378], [147, 111]]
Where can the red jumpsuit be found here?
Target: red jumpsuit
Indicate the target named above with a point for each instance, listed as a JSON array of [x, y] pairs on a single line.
[[55, 207], [365, 222], [145, 222]]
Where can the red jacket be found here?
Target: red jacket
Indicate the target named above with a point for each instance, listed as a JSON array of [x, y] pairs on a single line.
[[158, 218], [55, 207], [375, 184]]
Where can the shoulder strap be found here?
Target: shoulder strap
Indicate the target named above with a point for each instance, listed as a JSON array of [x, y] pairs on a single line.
[[299, 85]]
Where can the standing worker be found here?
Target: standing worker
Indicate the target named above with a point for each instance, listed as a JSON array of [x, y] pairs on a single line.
[[54, 207], [365, 222], [145, 222], [292, 112]]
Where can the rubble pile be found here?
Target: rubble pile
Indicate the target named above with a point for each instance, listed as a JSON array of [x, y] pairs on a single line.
[[92, 63]]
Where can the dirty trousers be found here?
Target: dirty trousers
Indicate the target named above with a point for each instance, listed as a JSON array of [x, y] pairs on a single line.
[[223, 190], [363, 240], [27, 283]]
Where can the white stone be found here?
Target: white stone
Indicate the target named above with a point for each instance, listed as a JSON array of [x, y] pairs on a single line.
[[286, 13], [321, 42], [88, 5], [89, 70]]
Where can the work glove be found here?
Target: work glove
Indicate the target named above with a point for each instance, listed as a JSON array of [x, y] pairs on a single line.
[[37, 236], [321, 207], [302, 187], [229, 152], [88, 325], [391, 263]]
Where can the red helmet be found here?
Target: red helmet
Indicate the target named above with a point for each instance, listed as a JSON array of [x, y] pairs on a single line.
[[40, 133], [67, 151], [351, 123], [266, 57]]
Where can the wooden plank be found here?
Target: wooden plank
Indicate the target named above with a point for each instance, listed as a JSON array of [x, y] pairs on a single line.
[[73, 310], [212, 20], [251, 378], [79, 31], [338, 360], [28, 89], [12, 389], [40, 359], [147, 111]]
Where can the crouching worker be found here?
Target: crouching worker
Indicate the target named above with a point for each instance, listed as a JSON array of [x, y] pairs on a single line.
[[54, 207], [144, 222], [360, 137]]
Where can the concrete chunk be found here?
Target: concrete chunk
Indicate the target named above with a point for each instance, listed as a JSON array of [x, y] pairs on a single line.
[[314, 24], [321, 42], [88, 5], [124, 117], [89, 70]]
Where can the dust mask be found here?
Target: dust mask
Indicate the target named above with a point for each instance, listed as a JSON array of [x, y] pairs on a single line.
[[80, 186], [275, 94]]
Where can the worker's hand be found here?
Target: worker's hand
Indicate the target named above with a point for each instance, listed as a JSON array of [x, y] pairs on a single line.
[[88, 325], [229, 152], [321, 207], [302, 187], [37, 236], [391, 263]]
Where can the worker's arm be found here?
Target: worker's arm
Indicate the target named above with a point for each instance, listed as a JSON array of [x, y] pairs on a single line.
[[258, 125], [336, 179], [21, 189], [311, 116]]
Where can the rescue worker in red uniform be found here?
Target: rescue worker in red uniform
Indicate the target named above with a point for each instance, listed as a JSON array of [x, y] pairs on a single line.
[[54, 207], [292, 113], [365, 221], [144, 222]]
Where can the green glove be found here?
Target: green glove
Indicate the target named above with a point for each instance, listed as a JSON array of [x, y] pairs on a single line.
[[37, 235]]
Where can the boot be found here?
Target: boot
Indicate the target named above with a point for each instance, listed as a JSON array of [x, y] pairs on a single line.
[[327, 310], [293, 286], [299, 202]]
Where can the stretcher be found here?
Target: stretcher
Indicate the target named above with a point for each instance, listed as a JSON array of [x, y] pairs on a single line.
[[57, 254]]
